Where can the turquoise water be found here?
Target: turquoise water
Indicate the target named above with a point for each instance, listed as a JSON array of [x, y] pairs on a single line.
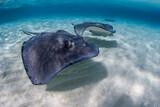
[[143, 10], [125, 74]]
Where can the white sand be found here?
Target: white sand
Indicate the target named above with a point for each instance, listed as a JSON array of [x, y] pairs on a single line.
[[124, 76]]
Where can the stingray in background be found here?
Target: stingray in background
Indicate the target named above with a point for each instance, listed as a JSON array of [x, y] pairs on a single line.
[[95, 28], [47, 53]]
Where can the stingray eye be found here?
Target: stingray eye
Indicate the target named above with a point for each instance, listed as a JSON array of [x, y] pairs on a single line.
[[68, 44]]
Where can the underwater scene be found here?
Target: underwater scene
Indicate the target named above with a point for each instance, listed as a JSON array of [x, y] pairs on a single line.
[[116, 63]]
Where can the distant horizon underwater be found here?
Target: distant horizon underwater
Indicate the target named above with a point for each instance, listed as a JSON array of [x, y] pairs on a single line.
[[126, 73]]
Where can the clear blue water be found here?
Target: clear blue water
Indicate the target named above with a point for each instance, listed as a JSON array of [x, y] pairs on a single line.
[[125, 74], [143, 10]]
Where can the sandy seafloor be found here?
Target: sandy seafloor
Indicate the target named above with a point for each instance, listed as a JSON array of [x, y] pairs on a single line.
[[125, 74]]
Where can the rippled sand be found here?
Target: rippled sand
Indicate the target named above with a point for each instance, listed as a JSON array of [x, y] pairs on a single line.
[[125, 74]]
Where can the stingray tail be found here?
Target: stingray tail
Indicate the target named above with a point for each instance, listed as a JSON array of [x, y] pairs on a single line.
[[28, 33]]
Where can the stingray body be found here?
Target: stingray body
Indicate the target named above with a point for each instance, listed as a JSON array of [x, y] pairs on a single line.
[[47, 53], [95, 28]]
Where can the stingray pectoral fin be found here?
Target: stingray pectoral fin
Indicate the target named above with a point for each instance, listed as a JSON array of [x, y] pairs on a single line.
[[39, 66]]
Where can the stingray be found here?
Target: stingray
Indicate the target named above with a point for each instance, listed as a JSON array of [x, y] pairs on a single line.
[[95, 28], [47, 53]]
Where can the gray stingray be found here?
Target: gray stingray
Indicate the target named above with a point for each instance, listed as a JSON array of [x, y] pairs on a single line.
[[47, 53], [94, 27]]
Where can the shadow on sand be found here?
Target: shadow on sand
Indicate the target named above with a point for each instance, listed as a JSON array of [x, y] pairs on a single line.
[[103, 43], [77, 75]]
